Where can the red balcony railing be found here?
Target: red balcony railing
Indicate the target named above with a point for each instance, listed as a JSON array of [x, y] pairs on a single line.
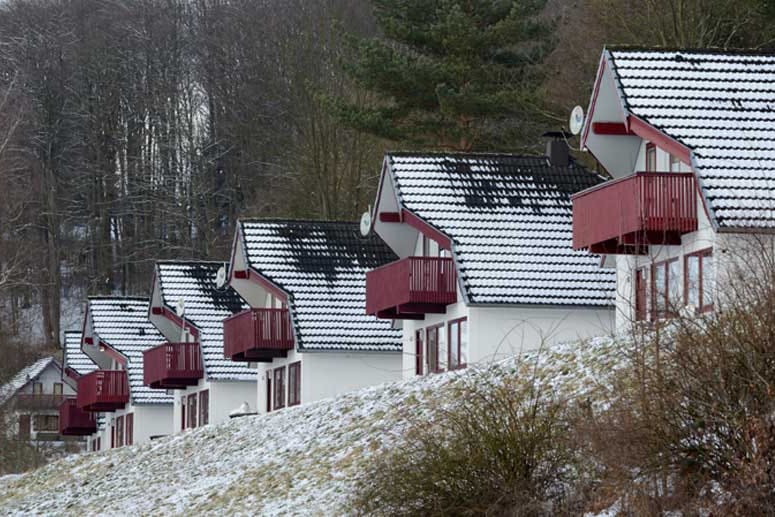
[[74, 421], [103, 390], [410, 288], [39, 401], [625, 216], [172, 366], [257, 335]]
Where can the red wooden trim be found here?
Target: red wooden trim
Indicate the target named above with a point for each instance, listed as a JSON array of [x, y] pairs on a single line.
[[456, 321], [241, 274], [419, 357], [701, 254], [177, 320], [111, 352], [390, 217], [651, 148], [268, 393], [183, 402], [434, 328], [666, 143], [257, 278], [610, 128], [157, 311], [72, 373], [426, 229], [595, 92], [279, 387], [294, 388], [88, 340]]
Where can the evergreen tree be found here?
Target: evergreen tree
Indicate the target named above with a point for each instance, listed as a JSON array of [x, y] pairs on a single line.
[[452, 74]]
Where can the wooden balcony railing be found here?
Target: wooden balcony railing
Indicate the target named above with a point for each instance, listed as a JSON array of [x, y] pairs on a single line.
[[39, 400], [410, 288], [258, 335], [74, 421], [627, 215], [103, 390], [172, 366]]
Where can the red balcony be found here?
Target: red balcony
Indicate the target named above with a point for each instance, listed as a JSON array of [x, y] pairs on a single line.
[[410, 288], [172, 366], [103, 390], [74, 421], [257, 335], [627, 215]]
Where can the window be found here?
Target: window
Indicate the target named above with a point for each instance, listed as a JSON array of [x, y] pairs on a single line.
[[268, 392], [37, 388], [44, 423], [24, 427], [119, 431], [651, 158], [182, 412], [130, 428], [192, 410], [432, 352], [204, 407], [99, 442], [57, 388], [641, 298], [665, 280], [698, 275], [458, 344], [94, 445], [675, 164], [418, 352], [294, 384], [279, 387]]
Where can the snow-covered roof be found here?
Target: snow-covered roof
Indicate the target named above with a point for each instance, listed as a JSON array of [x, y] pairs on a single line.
[[322, 267], [75, 359], [123, 324], [721, 105], [509, 219], [206, 307], [25, 375]]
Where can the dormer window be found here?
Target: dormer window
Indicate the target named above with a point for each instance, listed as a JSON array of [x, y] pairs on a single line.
[[651, 157], [675, 164]]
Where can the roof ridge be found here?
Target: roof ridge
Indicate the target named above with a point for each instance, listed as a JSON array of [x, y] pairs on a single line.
[[464, 153], [190, 261], [293, 220], [693, 50], [106, 297]]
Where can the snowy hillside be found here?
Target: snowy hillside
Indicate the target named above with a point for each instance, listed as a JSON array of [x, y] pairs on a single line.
[[298, 460]]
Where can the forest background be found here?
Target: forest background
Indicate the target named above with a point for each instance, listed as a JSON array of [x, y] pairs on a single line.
[[132, 131]]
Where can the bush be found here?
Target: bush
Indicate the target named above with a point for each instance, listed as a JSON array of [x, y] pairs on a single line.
[[498, 447]]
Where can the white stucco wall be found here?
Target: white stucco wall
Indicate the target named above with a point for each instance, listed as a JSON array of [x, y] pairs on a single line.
[[150, 420], [223, 397]]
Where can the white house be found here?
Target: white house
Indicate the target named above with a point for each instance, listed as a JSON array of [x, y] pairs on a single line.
[[305, 282], [72, 419], [485, 267], [116, 332], [188, 307], [688, 137], [32, 399]]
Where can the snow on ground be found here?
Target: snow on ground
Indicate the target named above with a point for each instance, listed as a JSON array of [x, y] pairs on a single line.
[[299, 460]]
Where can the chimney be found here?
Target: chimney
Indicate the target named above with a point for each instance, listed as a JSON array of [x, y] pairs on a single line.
[[557, 150]]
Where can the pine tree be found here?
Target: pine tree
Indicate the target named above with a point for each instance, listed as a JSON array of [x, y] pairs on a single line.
[[451, 74]]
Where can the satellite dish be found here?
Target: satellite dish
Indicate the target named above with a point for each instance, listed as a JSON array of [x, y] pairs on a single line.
[[180, 307], [220, 277], [576, 120], [366, 223]]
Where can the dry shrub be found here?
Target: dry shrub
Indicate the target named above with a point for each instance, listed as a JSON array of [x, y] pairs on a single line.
[[500, 447], [692, 425]]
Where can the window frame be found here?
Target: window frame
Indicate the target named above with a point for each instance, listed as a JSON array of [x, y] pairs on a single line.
[[651, 152], [279, 387], [436, 330], [37, 388], [641, 281], [58, 389], [655, 294], [119, 427], [269, 393], [456, 322], [674, 161], [204, 407], [183, 405], [701, 255], [192, 410], [129, 422], [419, 351], [294, 388]]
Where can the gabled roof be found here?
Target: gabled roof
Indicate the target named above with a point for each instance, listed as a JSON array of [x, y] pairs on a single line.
[[206, 307], [122, 323], [24, 376], [721, 105], [509, 219], [75, 359], [322, 267]]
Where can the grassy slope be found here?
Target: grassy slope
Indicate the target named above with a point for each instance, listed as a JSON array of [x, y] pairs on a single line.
[[299, 460]]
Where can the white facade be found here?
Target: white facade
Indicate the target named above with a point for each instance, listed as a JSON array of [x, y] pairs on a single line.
[[221, 397], [497, 332]]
